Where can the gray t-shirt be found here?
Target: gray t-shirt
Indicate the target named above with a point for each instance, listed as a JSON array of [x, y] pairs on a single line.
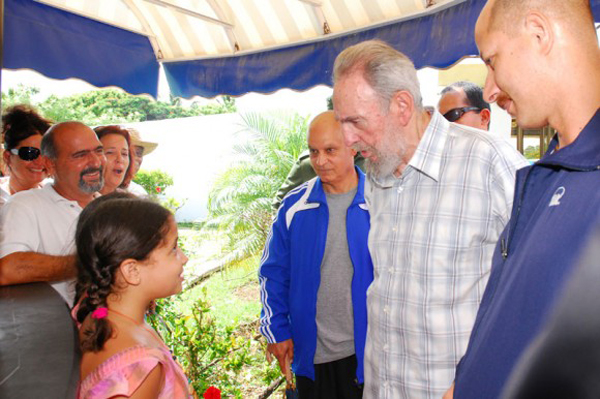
[[335, 320]]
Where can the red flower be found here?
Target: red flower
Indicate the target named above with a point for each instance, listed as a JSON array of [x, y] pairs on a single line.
[[158, 189], [212, 393]]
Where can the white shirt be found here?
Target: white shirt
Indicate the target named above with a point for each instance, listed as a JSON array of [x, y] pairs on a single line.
[[4, 189], [43, 221], [433, 232]]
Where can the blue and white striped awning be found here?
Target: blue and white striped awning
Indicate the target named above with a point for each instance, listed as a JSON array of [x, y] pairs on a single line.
[[211, 47]]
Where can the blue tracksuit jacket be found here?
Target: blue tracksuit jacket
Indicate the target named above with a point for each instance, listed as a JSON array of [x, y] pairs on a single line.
[[556, 202], [290, 271]]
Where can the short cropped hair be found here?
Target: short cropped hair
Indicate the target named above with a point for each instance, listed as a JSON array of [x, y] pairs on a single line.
[[473, 93], [49, 145], [506, 13], [385, 69]]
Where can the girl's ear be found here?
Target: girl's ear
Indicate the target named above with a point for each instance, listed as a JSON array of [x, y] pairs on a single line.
[[130, 270]]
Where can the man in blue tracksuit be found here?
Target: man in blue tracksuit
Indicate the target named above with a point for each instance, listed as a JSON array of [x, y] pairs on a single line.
[[547, 61], [316, 269]]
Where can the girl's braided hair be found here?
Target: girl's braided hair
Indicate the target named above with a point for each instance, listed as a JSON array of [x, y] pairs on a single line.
[[111, 229]]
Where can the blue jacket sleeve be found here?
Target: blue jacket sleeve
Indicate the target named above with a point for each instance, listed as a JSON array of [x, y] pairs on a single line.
[[274, 279]]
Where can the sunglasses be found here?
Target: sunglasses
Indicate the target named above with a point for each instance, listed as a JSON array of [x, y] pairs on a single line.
[[455, 114], [27, 153]]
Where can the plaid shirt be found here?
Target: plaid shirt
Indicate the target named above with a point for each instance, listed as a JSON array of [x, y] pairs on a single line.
[[433, 232]]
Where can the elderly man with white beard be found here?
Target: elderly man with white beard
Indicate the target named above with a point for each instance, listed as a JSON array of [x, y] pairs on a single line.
[[439, 196]]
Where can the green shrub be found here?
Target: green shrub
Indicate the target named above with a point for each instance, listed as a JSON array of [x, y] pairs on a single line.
[[155, 182], [210, 355]]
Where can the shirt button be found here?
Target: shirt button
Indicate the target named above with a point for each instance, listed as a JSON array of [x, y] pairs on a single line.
[[400, 189], [386, 310], [394, 229], [385, 347], [391, 270]]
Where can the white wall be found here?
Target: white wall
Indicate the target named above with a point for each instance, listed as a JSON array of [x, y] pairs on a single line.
[[193, 150]]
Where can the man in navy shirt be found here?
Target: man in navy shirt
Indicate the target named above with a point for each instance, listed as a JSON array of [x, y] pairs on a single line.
[[544, 55]]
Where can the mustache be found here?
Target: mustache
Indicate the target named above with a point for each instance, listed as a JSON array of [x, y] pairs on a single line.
[[89, 171], [361, 147]]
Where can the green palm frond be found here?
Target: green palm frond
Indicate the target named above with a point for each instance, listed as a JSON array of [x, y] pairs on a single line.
[[239, 203]]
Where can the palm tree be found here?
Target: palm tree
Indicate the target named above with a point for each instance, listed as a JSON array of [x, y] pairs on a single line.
[[240, 201]]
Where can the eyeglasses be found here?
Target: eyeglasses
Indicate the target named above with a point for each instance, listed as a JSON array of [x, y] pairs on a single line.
[[27, 153], [455, 114]]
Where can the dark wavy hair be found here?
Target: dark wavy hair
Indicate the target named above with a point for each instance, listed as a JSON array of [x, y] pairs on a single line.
[[111, 229], [20, 122]]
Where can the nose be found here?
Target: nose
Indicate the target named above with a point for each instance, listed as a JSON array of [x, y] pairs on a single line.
[[184, 257], [320, 159], [122, 159], [491, 89], [350, 138], [38, 162], [97, 159]]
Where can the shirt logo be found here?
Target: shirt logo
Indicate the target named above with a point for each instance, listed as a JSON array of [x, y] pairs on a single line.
[[558, 194]]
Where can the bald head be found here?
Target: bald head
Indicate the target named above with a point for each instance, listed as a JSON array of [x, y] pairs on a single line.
[[331, 159], [50, 145], [508, 14], [325, 122]]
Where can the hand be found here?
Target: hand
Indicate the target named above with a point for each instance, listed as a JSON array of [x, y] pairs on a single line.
[[281, 350], [449, 393]]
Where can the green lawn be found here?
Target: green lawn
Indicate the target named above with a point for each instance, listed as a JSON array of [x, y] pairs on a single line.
[[233, 295]]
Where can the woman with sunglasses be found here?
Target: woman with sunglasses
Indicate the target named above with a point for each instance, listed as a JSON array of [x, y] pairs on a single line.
[[22, 129], [117, 144]]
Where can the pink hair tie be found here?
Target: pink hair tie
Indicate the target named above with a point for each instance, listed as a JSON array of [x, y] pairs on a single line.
[[100, 313]]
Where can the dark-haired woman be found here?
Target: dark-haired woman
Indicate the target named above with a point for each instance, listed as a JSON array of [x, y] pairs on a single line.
[[22, 129], [127, 256]]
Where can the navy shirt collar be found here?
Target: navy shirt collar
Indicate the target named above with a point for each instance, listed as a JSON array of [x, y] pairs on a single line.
[[583, 153]]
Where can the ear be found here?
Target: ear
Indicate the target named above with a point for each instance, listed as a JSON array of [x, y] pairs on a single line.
[[50, 166], [6, 157], [130, 270], [541, 29], [485, 115], [402, 106]]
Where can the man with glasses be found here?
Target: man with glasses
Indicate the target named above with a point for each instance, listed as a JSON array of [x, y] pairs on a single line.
[[439, 196], [462, 102], [38, 226]]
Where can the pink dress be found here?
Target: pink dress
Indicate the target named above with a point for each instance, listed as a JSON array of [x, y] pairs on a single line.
[[124, 372]]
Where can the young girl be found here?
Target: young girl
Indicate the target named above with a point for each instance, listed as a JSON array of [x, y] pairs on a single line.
[[127, 256]]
